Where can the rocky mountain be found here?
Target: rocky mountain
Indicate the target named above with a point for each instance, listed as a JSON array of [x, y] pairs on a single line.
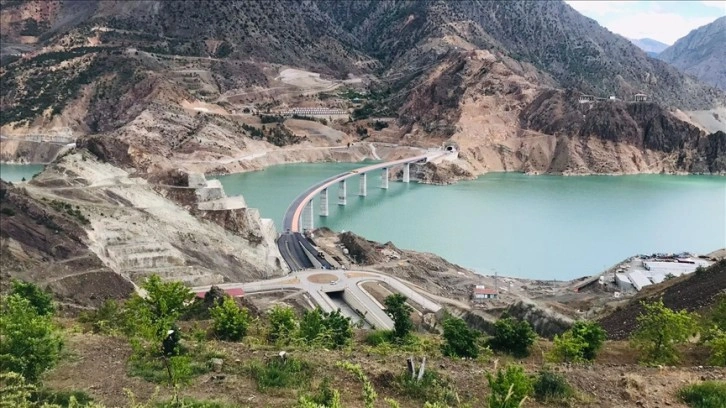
[[650, 46], [140, 74], [701, 53]]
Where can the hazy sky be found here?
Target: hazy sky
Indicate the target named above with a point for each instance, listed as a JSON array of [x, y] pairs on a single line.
[[665, 21]]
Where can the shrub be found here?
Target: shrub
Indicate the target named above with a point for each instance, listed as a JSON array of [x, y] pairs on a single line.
[[40, 300], [229, 321], [327, 329], [29, 342], [659, 330], [708, 394], [551, 387], [400, 312], [509, 387], [718, 349], [377, 337], [460, 340], [106, 319], [513, 337], [280, 373], [580, 343], [431, 387], [283, 324]]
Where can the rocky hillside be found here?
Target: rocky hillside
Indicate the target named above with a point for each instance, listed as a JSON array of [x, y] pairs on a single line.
[[142, 72], [701, 53], [46, 242]]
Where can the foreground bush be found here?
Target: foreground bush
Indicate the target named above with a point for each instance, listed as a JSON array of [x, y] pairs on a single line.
[[509, 387], [551, 387], [512, 336], [29, 342], [280, 373], [460, 340], [659, 330], [331, 330], [580, 343], [709, 394], [229, 321]]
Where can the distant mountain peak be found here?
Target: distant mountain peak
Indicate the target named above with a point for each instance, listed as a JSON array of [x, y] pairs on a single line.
[[649, 45]]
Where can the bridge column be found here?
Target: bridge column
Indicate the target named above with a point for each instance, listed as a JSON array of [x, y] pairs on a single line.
[[363, 188], [384, 178], [342, 194], [407, 172], [311, 215], [324, 203]]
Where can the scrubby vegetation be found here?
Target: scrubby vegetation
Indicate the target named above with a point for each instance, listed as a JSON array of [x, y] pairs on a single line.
[[512, 336], [578, 344], [660, 330], [708, 394]]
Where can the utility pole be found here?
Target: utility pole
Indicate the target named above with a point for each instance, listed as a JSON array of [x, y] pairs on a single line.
[[496, 281]]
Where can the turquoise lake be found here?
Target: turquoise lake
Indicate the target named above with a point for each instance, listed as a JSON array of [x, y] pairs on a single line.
[[541, 227], [16, 172]]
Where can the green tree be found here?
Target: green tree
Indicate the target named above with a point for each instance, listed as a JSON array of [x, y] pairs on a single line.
[[659, 330], [230, 322], [328, 329], [283, 324], [512, 336], [459, 339], [39, 299], [29, 342], [151, 323], [509, 387], [580, 343], [400, 312]]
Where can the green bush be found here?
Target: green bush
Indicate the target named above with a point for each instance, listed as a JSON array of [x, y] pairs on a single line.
[[431, 387], [229, 321], [377, 337], [400, 312], [708, 394], [283, 325], [332, 330], [509, 387], [106, 319], [460, 340], [29, 342], [512, 336], [580, 343], [659, 330], [40, 300], [281, 373], [551, 387]]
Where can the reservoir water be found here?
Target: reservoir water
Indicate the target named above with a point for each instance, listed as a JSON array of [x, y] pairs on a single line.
[[16, 172], [542, 227]]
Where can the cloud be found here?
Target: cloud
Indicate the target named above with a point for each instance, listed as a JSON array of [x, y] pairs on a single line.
[[721, 5], [664, 27]]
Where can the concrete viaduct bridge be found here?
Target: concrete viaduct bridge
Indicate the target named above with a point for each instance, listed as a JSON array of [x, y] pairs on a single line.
[[297, 251]]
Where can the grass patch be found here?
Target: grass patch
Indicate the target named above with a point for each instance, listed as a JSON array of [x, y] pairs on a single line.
[[708, 394], [193, 403], [154, 370], [279, 373], [62, 398], [431, 388]]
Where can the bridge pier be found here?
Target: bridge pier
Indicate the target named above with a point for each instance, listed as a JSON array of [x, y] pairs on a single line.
[[311, 213], [324, 203], [342, 193], [363, 188], [384, 178], [407, 172]]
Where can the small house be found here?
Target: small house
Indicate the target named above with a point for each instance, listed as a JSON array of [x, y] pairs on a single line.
[[482, 293]]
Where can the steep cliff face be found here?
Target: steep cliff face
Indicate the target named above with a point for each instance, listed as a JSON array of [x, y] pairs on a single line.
[[701, 53]]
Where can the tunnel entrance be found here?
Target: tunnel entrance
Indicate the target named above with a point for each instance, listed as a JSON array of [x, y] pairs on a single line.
[[355, 315]]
